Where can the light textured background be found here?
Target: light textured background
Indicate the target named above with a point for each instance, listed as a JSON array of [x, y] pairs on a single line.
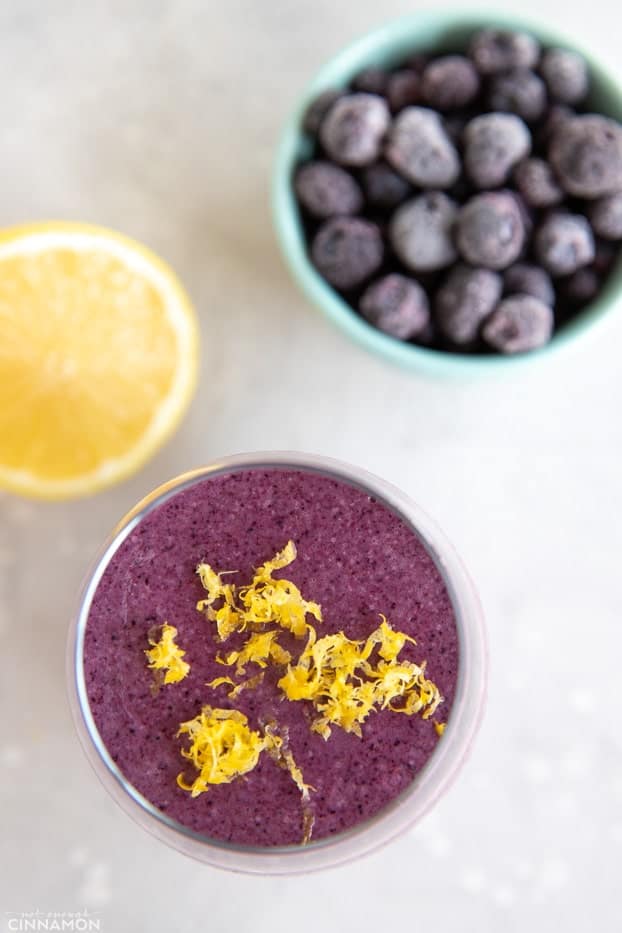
[[160, 118]]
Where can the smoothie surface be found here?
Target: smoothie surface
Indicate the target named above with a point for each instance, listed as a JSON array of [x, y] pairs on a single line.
[[356, 557]]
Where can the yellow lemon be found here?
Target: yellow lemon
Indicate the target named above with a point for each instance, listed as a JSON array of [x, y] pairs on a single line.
[[98, 358]]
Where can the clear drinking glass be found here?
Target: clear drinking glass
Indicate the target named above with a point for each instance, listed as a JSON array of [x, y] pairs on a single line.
[[406, 809]]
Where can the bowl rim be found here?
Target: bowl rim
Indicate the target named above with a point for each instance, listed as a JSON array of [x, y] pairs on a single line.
[[335, 72]]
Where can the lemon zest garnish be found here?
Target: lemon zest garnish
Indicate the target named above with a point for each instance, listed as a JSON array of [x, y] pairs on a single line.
[[335, 673], [248, 684], [222, 748], [237, 688], [219, 681], [165, 655], [280, 602], [390, 641], [212, 583], [268, 600], [263, 602], [278, 654], [440, 727], [282, 558], [345, 680], [282, 754], [227, 618], [259, 648]]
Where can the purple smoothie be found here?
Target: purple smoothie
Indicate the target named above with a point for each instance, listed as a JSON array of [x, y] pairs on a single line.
[[356, 557]]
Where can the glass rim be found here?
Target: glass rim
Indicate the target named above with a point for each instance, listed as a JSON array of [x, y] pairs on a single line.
[[400, 813]]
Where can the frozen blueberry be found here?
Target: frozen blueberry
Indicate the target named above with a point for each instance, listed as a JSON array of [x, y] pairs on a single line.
[[421, 232], [396, 305], [410, 149], [521, 92], [371, 81], [353, 129], [582, 286], [420, 149], [605, 216], [449, 82], [383, 187], [519, 323], [564, 243], [403, 89], [493, 144], [526, 279], [495, 50], [326, 190], [465, 299], [537, 184], [346, 251], [586, 153], [557, 114], [317, 110], [490, 231], [566, 75]]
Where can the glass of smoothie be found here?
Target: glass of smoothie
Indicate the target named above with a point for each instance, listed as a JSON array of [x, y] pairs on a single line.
[[278, 663]]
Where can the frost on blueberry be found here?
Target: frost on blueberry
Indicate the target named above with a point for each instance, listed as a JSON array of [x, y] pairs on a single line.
[[566, 75], [518, 324], [490, 231], [396, 305], [421, 232], [564, 243], [347, 251], [353, 129], [537, 184], [586, 154], [526, 279], [493, 144], [495, 50], [464, 301], [419, 148], [605, 216], [450, 82], [521, 92]]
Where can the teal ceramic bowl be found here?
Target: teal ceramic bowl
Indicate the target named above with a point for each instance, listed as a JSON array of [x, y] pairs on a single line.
[[387, 46]]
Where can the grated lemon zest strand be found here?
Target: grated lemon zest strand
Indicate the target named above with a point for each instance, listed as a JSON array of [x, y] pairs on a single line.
[[280, 752], [248, 684], [259, 648], [166, 656], [227, 618], [263, 602], [337, 676], [223, 748]]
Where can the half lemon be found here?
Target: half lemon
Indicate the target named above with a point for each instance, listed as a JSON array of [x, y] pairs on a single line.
[[99, 352]]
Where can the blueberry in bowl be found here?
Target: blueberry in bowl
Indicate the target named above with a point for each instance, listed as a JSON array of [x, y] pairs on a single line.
[[449, 192]]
